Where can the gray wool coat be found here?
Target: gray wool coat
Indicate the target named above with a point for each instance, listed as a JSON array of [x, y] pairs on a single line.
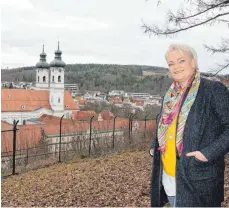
[[199, 184]]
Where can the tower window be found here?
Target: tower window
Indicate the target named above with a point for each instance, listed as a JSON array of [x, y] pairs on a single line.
[[38, 79], [44, 79], [52, 78], [59, 78], [58, 100]]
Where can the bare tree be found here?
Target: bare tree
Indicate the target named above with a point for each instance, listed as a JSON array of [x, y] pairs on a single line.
[[203, 12]]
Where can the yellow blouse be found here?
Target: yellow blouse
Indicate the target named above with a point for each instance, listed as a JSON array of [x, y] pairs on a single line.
[[169, 157]]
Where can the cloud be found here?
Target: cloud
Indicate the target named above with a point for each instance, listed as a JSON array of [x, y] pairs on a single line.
[[98, 31], [21, 5], [72, 23], [19, 57]]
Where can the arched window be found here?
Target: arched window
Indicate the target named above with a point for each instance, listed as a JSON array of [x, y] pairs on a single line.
[[38, 79], [59, 78], [58, 100], [52, 78], [44, 79]]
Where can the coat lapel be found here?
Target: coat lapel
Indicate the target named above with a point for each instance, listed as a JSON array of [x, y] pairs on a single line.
[[195, 122]]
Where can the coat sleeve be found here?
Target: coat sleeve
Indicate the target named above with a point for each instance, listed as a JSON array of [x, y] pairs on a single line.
[[220, 105]]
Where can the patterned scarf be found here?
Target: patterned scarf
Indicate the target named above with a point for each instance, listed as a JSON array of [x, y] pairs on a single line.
[[171, 107]]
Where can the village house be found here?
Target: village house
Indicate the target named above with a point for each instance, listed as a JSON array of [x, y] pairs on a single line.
[[118, 93]]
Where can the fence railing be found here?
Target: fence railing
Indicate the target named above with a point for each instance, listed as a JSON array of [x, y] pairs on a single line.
[[14, 130], [78, 145]]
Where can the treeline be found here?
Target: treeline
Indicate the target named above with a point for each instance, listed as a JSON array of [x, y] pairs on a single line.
[[102, 77]]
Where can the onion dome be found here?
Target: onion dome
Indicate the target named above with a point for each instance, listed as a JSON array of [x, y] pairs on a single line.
[[42, 64], [57, 62]]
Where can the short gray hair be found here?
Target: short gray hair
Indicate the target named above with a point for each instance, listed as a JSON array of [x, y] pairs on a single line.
[[182, 48]]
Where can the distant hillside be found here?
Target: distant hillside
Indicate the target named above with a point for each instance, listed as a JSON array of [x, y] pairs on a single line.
[[104, 77]]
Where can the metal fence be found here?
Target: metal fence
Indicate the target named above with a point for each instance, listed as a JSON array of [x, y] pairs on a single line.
[[65, 147]]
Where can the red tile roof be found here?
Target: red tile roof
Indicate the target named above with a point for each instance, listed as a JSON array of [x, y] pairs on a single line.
[[66, 128], [108, 124], [139, 102], [52, 125], [29, 100], [114, 99], [31, 135], [69, 103], [85, 115], [27, 136], [83, 102], [49, 119], [107, 115]]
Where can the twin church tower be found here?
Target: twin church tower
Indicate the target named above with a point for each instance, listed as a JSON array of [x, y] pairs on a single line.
[[51, 77]]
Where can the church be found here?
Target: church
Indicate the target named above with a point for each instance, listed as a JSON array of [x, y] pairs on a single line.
[[48, 97]]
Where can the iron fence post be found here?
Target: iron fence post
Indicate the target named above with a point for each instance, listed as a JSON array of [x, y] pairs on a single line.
[[145, 126], [60, 138], [27, 156], [132, 117], [90, 135], [114, 131], [129, 127], [14, 145]]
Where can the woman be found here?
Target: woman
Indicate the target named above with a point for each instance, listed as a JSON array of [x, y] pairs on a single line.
[[192, 136]]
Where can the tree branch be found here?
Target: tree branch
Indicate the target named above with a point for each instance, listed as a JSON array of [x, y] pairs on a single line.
[[208, 9], [223, 67], [168, 31], [223, 48], [216, 50], [223, 20]]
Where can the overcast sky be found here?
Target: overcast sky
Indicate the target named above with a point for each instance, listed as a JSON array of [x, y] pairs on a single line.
[[95, 31]]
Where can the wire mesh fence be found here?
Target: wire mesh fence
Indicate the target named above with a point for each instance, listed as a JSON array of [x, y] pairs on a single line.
[[60, 140]]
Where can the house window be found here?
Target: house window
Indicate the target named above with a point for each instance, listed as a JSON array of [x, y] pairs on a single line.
[[38, 79], [23, 122], [44, 79], [59, 79], [52, 78]]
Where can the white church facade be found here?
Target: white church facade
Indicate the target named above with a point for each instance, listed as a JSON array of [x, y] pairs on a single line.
[[48, 97]]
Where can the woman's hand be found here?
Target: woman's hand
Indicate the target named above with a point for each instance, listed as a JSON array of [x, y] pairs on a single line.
[[198, 155]]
